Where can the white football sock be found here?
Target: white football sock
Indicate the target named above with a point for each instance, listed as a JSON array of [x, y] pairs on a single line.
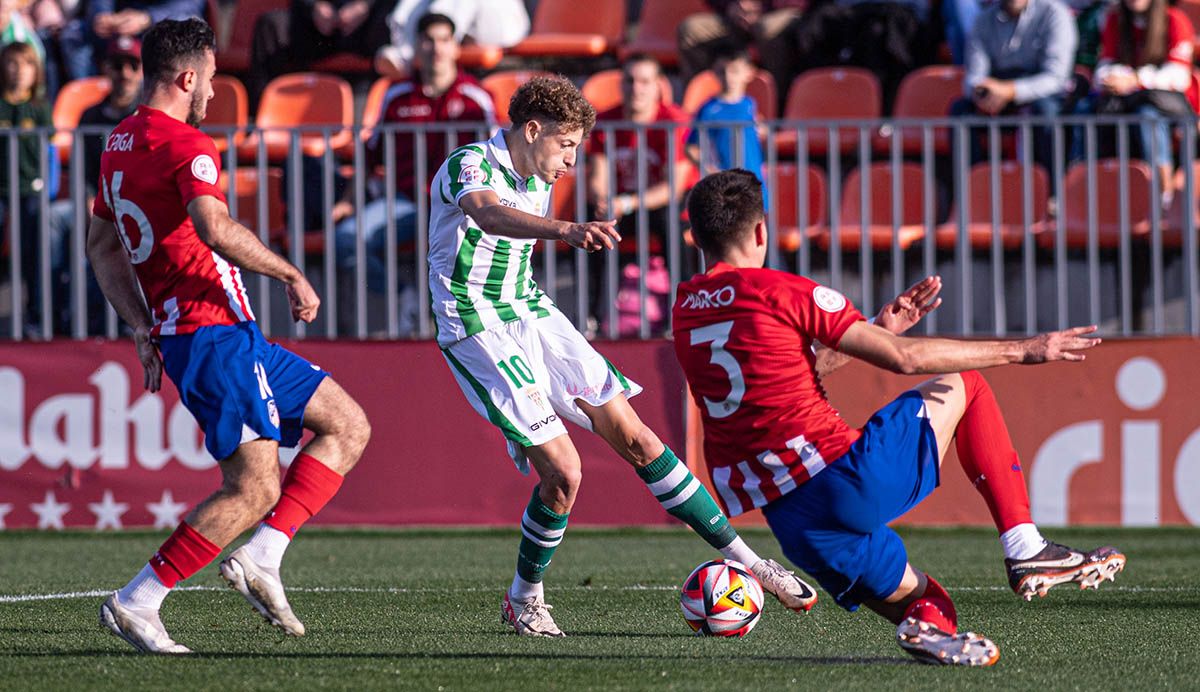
[[1022, 542], [267, 545], [522, 590], [739, 551], [145, 591]]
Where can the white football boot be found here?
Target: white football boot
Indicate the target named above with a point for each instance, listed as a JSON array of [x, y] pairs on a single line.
[[930, 644], [1057, 564], [529, 618], [263, 588], [141, 628], [783, 584]]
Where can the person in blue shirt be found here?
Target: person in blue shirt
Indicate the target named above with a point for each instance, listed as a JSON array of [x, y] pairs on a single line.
[[714, 148]]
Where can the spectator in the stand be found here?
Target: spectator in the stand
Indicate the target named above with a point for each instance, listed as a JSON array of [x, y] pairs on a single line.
[[438, 92], [718, 148], [23, 107], [500, 23], [123, 67], [1146, 69], [763, 24], [1020, 56], [958, 16], [291, 40], [15, 27]]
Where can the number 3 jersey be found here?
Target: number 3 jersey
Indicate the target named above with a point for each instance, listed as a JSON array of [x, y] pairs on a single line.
[[744, 338], [153, 166]]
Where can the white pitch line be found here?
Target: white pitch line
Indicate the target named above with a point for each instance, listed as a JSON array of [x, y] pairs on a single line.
[[69, 595]]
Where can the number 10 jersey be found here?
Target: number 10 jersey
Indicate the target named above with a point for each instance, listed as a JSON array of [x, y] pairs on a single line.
[[152, 167], [744, 338]]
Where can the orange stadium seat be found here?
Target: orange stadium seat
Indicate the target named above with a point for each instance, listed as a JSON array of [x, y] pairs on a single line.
[[477, 57], [247, 200], [784, 198], [370, 114], [236, 56], [705, 85], [927, 92], [503, 84], [562, 200], [912, 210], [299, 100], [603, 89], [73, 99], [1011, 206], [656, 29], [831, 93], [564, 28], [1073, 203], [229, 107]]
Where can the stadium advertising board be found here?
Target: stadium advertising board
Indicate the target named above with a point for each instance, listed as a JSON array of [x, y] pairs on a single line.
[[1115, 440]]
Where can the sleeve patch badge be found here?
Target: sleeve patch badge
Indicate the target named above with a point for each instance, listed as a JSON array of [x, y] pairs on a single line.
[[471, 175], [828, 299], [205, 169]]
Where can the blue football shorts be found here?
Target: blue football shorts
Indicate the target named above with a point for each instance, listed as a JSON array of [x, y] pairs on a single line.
[[239, 386], [834, 527]]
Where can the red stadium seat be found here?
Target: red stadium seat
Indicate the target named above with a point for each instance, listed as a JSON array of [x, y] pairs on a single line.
[[503, 84], [247, 200], [297, 100], [563, 28], [1011, 206], [655, 34], [784, 198], [236, 56], [73, 99], [229, 107], [344, 63], [603, 89], [370, 114], [1074, 204], [927, 92], [705, 85], [831, 93], [912, 210]]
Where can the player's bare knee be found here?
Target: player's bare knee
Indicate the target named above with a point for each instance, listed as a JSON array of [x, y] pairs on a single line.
[[558, 489], [644, 446], [355, 434]]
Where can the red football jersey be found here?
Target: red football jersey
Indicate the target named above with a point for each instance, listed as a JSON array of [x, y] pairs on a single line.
[[152, 166], [744, 338], [625, 146]]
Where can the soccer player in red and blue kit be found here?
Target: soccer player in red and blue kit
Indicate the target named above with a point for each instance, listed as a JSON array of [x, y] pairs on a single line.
[[161, 223], [754, 344]]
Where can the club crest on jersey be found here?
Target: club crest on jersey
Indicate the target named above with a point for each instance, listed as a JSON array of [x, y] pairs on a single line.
[[535, 395], [828, 299], [205, 169], [722, 297], [471, 175]]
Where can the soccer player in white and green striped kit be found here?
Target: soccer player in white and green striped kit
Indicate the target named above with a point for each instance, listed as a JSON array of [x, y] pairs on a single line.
[[521, 363]]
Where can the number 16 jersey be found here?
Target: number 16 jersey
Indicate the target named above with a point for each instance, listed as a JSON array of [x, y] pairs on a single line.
[[744, 338], [152, 167]]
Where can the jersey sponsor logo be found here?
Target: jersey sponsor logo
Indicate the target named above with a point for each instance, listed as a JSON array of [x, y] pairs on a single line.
[[205, 169], [273, 412], [544, 422], [701, 299], [828, 299], [120, 141], [471, 175], [455, 108], [509, 203]]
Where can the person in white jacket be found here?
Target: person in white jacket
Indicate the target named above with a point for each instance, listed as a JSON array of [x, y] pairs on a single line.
[[500, 23]]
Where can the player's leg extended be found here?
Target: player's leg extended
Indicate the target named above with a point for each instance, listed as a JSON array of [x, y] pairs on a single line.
[[685, 497], [250, 486], [962, 407], [542, 527], [314, 477]]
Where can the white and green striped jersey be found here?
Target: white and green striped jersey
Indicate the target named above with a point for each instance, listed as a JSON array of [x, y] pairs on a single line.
[[477, 280]]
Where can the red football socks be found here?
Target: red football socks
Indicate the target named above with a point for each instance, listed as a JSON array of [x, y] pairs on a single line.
[[988, 458], [308, 486], [184, 553], [934, 607]]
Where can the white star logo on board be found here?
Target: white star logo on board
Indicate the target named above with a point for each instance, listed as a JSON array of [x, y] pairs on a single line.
[[166, 511], [108, 512], [50, 512], [4, 509]]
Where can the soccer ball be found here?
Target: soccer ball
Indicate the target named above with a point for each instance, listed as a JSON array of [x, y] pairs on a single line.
[[721, 598]]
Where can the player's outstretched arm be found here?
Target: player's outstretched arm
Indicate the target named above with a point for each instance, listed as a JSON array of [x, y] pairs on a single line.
[[495, 218], [898, 316], [924, 355], [239, 245], [118, 282]]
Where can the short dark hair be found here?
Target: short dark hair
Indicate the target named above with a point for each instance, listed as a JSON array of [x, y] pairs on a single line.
[[552, 100], [640, 56], [171, 44], [730, 54], [433, 19], [724, 206]]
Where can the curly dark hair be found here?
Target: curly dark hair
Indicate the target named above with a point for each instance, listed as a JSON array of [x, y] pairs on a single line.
[[724, 206], [170, 45], [552, 100]]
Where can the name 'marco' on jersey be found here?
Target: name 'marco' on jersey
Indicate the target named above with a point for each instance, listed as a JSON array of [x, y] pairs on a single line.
[[744, 338], [152, 167], [478, 280]]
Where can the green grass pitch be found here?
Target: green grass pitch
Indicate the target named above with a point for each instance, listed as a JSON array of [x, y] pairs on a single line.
[[420, 609]]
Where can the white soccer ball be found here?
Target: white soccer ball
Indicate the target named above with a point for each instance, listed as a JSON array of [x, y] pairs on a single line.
[[722, 598]]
